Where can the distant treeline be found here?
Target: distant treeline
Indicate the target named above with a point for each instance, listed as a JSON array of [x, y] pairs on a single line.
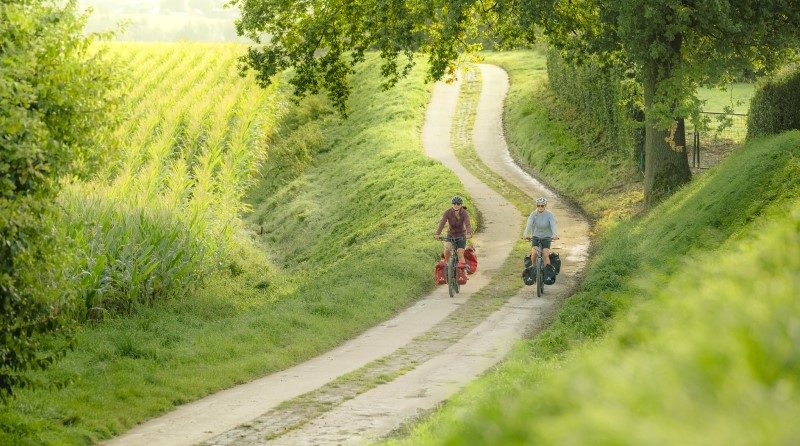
[[205, 7], [164, 20]]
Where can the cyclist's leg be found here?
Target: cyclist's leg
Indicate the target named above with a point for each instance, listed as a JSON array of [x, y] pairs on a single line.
[[447, 251], [546, 251], [461, 244], [534, 252]]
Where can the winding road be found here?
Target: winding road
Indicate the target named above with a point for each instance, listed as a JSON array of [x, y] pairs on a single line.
[[429, 351]]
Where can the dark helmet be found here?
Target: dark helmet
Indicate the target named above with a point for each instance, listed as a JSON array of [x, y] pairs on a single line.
[[458, 200]]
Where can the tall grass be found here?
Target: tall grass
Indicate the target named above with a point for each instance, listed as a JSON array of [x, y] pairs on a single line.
[[167, 212]]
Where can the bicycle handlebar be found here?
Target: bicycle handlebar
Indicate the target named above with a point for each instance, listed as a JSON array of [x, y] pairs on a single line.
[[449, 239]]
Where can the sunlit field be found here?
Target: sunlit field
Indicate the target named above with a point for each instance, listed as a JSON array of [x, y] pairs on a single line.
[[736, 96], [167, 211]]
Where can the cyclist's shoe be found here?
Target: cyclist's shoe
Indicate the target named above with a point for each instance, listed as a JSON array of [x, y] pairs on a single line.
[[461, 265]]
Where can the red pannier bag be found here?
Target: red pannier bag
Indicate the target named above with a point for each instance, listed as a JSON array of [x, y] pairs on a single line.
[[471, 258], [438, 273], [461, 276]]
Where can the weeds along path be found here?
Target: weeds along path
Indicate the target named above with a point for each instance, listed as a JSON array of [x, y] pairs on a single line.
[[392, 373]]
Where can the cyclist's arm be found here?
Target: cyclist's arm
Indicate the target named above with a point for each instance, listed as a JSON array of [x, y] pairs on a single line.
[[441, 225], [468, 225], [553, 226], [528, 227]]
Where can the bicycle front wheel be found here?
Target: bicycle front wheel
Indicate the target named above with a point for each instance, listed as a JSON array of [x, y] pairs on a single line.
[[539, 282], [451, 280]]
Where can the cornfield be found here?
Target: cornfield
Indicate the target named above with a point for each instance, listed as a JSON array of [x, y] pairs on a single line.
[[167, 211]]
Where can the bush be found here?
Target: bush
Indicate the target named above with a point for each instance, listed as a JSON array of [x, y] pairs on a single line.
[[605, 101], [775, 107], [54, 106]]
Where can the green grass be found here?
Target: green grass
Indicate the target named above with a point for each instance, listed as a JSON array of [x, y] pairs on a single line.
[[348, 230], [736, 96], [360, 215], [541, 133], [685, 327]]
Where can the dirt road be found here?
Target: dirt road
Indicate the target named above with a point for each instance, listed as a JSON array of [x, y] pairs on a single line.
[[370, 385]]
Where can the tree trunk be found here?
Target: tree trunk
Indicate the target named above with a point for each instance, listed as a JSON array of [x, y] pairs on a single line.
[[666, 166]]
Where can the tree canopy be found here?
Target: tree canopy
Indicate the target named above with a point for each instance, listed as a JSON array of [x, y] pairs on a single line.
[[672, 46]]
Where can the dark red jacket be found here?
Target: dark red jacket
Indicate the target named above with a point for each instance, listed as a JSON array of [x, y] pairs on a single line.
[[458, 225]]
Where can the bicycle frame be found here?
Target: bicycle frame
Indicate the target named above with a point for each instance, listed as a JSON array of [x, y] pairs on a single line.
[[539, 268], [450, 269]]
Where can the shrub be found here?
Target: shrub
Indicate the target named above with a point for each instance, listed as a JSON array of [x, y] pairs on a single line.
[[606, 102], [53, 91], [775, 107]]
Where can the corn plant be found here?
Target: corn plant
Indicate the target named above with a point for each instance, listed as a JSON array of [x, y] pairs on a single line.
[[168, 211]]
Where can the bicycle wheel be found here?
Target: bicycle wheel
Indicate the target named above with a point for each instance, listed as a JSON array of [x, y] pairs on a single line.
[[539, 281], [451, 279], [455, 280]]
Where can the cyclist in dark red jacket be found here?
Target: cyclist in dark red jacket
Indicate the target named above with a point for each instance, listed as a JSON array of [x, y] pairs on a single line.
[[458, 228]]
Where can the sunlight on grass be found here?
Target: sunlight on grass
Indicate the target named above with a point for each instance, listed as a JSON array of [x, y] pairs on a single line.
[[607, 185], [736, 96]]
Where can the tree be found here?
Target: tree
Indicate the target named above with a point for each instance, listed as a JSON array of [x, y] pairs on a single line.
[[54, 106], [674, 46]]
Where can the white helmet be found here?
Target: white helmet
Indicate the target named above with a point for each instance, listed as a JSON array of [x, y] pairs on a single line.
[[541, 200]]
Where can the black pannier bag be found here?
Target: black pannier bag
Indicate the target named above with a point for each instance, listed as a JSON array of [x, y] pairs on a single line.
[[555, 260], [549, 275], [528, 274]]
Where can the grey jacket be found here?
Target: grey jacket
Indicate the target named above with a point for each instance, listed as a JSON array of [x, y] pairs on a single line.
[[542, 225]]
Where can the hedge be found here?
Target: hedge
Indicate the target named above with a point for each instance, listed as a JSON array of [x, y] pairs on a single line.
[[775, 107], [604, 98]]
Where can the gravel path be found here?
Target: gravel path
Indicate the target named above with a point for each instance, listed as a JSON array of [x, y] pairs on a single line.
[[369, 386]]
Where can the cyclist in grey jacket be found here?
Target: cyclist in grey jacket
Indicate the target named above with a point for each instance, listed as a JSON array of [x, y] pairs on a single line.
[[541, 230]]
